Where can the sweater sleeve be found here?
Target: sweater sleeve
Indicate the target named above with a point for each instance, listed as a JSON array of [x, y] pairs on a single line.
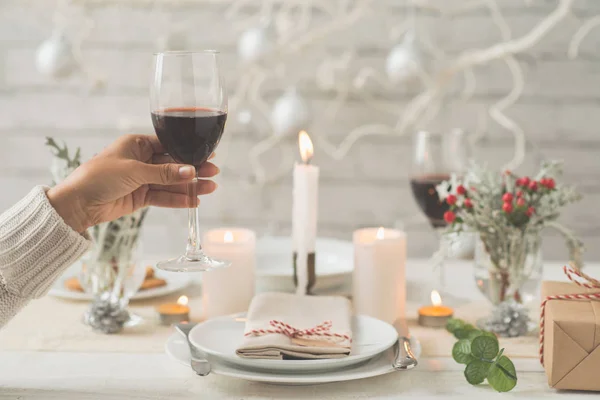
[[36, 246]]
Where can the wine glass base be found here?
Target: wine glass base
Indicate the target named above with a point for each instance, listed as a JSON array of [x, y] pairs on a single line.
[[200, 263]]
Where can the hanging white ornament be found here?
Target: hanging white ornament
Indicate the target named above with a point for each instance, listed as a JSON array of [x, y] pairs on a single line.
[[290, 114], [54, 57], [255, 43], [404, 61]]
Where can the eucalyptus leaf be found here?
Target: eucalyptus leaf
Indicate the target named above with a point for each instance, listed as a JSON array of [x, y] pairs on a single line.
[[453, 324], [474, 333], [461, 351], [464, 332], [476, 371], [484, 347], [502, 375]]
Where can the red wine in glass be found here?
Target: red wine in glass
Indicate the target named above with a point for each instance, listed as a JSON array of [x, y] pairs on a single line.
[[423, 188], [190, 134], [188, 107]]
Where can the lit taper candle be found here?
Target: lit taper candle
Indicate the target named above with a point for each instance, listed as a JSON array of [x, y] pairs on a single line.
[[304, 217]]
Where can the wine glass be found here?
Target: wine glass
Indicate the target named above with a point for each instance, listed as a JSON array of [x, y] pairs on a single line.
[[189, 108], [436, 157]]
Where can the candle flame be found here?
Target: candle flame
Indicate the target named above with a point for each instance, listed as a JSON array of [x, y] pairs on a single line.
[[380, 233], [436, 299], [228, 238], [306, 147], [183, 300]]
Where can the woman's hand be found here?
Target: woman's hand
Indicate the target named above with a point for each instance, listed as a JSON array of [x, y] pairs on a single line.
[[131, 173]]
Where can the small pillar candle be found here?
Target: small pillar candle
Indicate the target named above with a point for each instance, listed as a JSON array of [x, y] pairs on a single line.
[[435, 315], [378, 281], [229, 290], [172, 313]]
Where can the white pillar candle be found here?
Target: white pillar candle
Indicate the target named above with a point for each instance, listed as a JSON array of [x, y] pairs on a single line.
[[229, 290], [304, 212], [378, 281]]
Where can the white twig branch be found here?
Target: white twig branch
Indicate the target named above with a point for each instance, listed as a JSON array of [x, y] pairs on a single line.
[[581, 34]]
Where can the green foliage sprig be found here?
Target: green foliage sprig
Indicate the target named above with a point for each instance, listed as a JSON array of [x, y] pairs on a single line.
[[480, 351]]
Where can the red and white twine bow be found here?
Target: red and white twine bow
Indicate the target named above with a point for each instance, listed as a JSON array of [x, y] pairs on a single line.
[[578, 278], [321, 330]]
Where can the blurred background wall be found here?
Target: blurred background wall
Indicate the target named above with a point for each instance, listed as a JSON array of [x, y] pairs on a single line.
[[108, 96]]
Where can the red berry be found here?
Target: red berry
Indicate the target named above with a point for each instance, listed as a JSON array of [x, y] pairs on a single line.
[[524, 181], [507, 198], [451, 199], [507, 208], [519, 193], [550, 184], [521, 202], [530, 211], [533, 186], [468, 203], [543, 181], [449, 217], [460, 189]]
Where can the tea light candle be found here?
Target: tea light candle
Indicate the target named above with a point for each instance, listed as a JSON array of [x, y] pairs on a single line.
[[378, 280], [172, 313], [229, 290], [436, 315], [304, 216]]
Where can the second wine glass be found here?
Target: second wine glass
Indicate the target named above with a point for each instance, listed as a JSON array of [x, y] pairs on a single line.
[[189, 110], [436, 157]]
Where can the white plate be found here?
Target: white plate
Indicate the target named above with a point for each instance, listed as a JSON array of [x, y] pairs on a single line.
[[175, 283], [177, 348], [220, 337], [334, 263]]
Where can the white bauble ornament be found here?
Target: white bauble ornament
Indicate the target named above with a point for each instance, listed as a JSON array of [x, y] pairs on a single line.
[[54, 57], [255, 43], [403, 62], [290, 114]]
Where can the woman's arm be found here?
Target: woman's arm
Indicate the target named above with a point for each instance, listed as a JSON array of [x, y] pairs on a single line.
[[44, 233], [36, 245]]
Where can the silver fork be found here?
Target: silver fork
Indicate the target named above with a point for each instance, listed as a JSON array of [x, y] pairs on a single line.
[[199, 364]]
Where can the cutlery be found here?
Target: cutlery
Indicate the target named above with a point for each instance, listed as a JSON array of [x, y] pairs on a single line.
[[199, 364], [404, 357]]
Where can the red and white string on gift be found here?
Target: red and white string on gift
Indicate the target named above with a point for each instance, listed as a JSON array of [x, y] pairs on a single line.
[[321, 330], [578, 278]]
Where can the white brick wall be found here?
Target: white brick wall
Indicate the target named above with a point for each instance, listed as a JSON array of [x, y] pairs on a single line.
[[559, 110]]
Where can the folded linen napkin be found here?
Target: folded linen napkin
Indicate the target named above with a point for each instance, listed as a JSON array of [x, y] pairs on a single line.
[[282, 326]]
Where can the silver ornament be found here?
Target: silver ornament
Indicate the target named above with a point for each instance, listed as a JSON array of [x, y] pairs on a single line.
[[54, 57], [508, 319], [403, 61], [255, 43], [290, 114]]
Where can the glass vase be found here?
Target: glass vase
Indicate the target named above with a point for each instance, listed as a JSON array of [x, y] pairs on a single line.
[[112, 274], [508, 271]]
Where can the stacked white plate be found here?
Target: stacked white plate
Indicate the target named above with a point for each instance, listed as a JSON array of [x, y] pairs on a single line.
[[371, 355]]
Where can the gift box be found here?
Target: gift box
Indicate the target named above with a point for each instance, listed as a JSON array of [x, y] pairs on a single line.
[[571, 337]]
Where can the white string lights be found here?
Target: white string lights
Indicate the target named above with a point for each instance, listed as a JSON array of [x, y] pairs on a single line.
[[274, 34]]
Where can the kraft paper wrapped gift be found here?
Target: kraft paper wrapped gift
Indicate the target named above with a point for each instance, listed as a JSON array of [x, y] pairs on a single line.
[[571, 338]]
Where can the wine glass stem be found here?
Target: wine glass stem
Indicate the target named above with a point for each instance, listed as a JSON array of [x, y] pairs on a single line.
[[442, 260], [194, 247]]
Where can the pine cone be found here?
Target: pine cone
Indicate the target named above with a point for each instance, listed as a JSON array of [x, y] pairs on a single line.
[[509, 319], [106, 315]]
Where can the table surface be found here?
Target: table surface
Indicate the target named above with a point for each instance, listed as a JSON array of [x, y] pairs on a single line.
[[76, 375]]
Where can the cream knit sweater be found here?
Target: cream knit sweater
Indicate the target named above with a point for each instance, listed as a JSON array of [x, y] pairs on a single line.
[[36, 246]]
